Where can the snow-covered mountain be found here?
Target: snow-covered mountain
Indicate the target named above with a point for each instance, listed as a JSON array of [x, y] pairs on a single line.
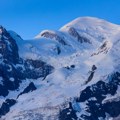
[[69, 74]]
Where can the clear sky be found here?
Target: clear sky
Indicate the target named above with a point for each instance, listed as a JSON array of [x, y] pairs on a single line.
[[29, 17]]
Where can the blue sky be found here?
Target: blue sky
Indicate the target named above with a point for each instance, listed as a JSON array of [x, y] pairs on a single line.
[[29, 17]]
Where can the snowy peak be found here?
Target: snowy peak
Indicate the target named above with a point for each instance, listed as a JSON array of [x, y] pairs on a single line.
[[2, 30], [8, 46], [45, 33], [92, 27], [83, 32], [86, 22]]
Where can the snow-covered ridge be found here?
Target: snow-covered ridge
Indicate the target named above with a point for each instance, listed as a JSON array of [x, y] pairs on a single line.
[[51, 35], [94, 27]]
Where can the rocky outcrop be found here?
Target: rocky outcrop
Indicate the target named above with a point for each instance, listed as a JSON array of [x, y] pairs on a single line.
[[54, 36], [31, 69], [31, 87], [6, 106], [8, 47], [72, 31], [68, 113], [14, 69], [93, 98]]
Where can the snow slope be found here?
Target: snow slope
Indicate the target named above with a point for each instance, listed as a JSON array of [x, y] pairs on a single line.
[[73, 50]]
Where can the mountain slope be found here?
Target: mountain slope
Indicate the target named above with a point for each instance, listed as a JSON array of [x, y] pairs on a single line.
[[72, 73]]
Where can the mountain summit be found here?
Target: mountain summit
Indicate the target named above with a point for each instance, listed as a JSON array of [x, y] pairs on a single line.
[[69, 74]]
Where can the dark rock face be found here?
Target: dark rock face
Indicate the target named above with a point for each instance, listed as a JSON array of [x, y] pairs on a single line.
[[68, 114], [36, 68], [31, 87], [75, 34], [93, 97], [112, 108], [58, 50], [9, 57], [8, 47], [14, 69], [6, 106], [54, 36], [103, 49], [91, 74], [10, 74]]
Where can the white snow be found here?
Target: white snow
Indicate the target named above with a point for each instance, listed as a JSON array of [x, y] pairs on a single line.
[[12, 79], [1, 80]]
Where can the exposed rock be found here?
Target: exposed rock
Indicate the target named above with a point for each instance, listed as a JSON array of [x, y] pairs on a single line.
[[6, 106], [68, 114], [75, 34], [31, 87], [52, 35], [12, 66]]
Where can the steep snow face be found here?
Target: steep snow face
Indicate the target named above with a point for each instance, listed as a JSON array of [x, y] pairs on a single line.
[[60, 66]]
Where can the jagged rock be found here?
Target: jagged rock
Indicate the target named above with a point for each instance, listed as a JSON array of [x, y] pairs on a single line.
[[75, 34], [95, 107], [8, 47], [91, 74], [39, 69], [6, 106], [8, 69], [31, 87], [67, 114], [52, 35]]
